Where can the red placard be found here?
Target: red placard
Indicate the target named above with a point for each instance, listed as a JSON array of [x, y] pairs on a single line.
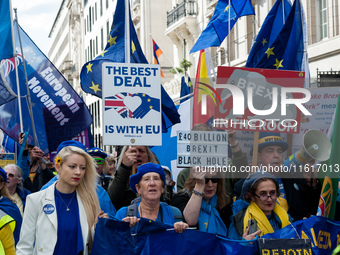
[[260, 99]]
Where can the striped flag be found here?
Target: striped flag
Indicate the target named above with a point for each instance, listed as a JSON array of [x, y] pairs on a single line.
[[157, 52], [117, 102]]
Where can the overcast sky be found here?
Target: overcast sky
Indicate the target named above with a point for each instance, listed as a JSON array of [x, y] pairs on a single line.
[[36, 18]]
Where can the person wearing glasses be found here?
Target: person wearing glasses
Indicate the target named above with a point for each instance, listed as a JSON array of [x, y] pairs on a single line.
[[204, 203], [259, 203], [99, 156], [15, 187]]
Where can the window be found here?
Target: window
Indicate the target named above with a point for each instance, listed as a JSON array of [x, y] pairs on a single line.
[[107, 4], [323, 19], [90, 56], [92, 15], [95, 10], [96, 45], [90, 19], [102, 38], [85, 26], [108, 28], [86, 55], [98, 107], [101, 7]]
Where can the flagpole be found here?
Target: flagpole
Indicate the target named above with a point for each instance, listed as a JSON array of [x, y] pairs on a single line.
[[127, 32], [36, 143], [16, 68], [229, 33]]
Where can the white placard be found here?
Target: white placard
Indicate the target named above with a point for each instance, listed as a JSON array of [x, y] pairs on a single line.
[[131, 104], [202, 148]]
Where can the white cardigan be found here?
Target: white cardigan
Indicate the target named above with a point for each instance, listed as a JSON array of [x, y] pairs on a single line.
[[39, 227]]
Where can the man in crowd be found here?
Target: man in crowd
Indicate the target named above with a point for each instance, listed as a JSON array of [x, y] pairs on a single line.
[[299, 194]]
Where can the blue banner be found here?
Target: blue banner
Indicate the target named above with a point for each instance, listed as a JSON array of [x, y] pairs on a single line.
[[150, 237], [6, 46], [59, 113], [323, 233]]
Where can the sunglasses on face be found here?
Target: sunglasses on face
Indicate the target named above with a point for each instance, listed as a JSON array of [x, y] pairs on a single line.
[[213, 180], [99, 161]]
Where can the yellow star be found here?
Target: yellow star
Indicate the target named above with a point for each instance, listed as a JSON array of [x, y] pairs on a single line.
[[95, 87], [149, 100], [143, 95], [227, 8], [133, 47], [112, 40], [102, 54], [270, 52], [264, 41], [206, 224], [150, 107], [278, 64], [88, 67]]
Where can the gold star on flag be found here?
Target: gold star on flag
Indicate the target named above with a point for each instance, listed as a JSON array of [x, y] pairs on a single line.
[[264, 41], [133, 47], [95, 87], [112, 40], [227, 8], [270, 52], [278, 64], [149, 100], [143, 95], [89, 67], [206, 224], [150, 106], [102, 54]]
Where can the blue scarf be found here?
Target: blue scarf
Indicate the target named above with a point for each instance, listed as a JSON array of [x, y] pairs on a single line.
[[209, 219]]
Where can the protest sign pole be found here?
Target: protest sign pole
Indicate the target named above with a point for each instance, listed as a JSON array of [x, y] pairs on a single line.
[[36, 143], [255, 148], [16, 69]]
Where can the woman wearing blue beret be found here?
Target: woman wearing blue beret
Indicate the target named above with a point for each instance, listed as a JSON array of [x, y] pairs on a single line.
[[149, 183]]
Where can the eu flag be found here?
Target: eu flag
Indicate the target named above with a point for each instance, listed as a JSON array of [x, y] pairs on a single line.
[[217, 28], [91, 73], [287, 50], [270, 29], [184, 90], [59, 113], [6, 47]]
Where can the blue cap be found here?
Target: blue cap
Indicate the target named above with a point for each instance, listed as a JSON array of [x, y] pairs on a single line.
[[252, 179], [97, 152], [71, 143], [3, 174], [271, 139], [143, 169]]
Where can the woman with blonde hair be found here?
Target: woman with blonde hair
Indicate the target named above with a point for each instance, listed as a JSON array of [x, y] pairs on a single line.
[[69, 208]]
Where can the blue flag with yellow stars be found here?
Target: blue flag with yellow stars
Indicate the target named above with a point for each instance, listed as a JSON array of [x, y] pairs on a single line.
[[58, 111], [217, 28], [91, 73], [287, 50], [270, 29]]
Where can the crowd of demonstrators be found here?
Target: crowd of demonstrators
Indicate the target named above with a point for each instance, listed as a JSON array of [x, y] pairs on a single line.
[[299, 194], [130, 159], [15, 187], [89, 185], [8, 206], [260, 192], [149, 183], [69, 208], [204, 203]]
